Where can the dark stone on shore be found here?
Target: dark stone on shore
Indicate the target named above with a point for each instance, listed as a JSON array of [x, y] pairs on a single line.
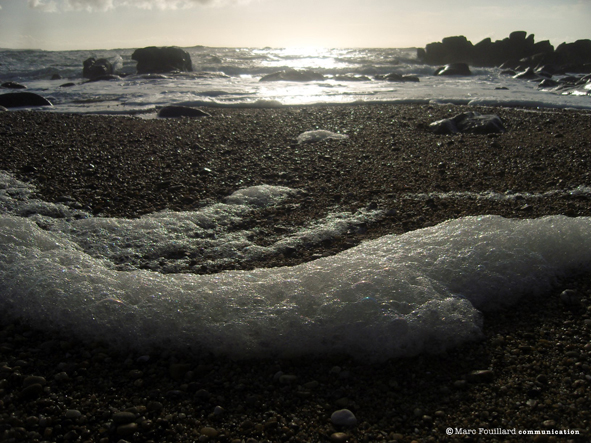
[[20, 99], [13, 85], [453, 69], [95, 68], [31, 392], [470, 122], [181, 111], [293, 75], [154, 60]]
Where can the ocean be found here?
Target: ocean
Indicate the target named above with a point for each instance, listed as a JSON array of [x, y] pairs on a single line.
[[230, 77], [398, 295]]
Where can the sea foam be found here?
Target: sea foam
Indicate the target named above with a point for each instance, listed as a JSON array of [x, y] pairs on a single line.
[[422, 291]]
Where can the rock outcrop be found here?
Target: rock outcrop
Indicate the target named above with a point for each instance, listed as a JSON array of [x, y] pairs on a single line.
[[519, 50], [152, 60]]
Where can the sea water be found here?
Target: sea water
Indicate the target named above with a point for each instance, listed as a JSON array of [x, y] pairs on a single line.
[[231, 77], [422, 291]]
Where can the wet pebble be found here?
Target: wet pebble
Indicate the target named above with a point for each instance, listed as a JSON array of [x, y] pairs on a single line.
[[344, 418]]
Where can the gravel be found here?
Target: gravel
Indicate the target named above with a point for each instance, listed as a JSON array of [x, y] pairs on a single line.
[[531, 373]]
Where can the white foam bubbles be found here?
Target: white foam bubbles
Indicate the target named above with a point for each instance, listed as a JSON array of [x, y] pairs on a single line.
[[396, 295], [320, 135]]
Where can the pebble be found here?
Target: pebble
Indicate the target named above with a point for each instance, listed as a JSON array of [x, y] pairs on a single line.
[[73, 413], [32, 379], [343, 417], [32, 391], [123, 417], [127, 429], [481, 376], [339, 437], [209, 432], [570, 297]]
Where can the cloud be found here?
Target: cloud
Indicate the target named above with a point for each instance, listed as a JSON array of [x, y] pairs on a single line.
[[105, 5], [43, 5]]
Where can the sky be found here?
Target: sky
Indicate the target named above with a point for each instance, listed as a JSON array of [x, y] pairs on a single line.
[[111, 24]]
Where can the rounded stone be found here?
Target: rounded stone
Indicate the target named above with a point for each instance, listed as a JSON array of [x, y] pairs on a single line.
[[73, 414], [343, 417], [339, 437], [127, 429], [209, 432], [123, 417]]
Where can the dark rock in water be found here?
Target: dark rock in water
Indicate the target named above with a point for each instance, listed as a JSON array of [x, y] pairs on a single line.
[[101, 78], [454, 69], [18, 99], [394, 77], [293, 75], [182, 111], [153, 60], [519, 49], [528, 74], [484, 53], [67, 85], [573, 54], [471, 122], [547, 83], [450, 50], [56, 77], [94, 68], [351, 78], [13, 85]]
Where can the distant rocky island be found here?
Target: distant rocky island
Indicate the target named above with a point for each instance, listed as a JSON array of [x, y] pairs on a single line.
[[517, 50]]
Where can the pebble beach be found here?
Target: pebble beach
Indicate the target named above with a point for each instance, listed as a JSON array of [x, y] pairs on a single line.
[[528, 380]]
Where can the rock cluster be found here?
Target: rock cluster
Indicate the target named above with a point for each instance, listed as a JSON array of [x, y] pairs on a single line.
[[95, 68], [519, 49], [157, 60]]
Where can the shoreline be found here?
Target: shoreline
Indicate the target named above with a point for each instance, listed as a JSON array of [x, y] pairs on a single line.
[[535, 359]]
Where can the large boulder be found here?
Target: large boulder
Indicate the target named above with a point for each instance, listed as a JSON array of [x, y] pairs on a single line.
[[157, 60], [95, 68], [22, 99], [572, 56]]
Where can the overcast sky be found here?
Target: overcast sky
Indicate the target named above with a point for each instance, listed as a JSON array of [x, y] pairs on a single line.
[[106, 24]]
